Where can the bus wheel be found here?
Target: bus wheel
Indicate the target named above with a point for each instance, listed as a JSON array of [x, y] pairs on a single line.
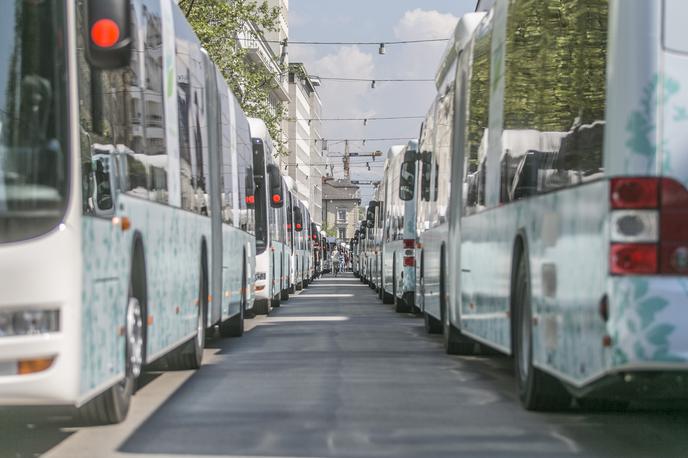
[[190, 355], [537, 390], [454, 342], [275, 302], [112, 406], [432, 324], [234, 327]]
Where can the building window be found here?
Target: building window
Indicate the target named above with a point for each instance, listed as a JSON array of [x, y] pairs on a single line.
[[341, 215], [342, 233]]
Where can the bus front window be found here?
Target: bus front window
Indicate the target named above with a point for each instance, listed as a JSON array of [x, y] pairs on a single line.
[[33, 117]]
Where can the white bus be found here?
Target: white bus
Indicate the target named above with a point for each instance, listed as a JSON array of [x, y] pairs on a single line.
[[272, 261], [108, 209], [435, 183], [568, 246], [299, 243], [399, 231]]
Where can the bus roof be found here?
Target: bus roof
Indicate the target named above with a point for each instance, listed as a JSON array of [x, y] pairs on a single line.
[[462, 33]]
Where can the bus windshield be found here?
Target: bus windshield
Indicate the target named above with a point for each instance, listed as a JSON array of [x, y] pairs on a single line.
[[261, 193], [33, 119]]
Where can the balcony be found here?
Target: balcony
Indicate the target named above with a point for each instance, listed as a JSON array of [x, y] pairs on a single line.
[[259, 51]]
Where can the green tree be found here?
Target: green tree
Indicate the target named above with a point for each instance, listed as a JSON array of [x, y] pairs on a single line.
[[218, 24]]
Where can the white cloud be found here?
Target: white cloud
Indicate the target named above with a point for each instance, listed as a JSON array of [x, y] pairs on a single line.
[[339, 97], [420, 24]]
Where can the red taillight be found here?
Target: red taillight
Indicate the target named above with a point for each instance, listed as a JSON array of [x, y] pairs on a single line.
[[298, 227], [276, 198], [250, 200], [409, 261], [105, 33], [633, 258], [409, 244], [634, 193], [673, 251]]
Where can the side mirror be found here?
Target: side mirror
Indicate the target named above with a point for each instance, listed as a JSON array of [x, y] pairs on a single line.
[[276, 187], [407, 180], [109, 33], [370, 213], [298, 219]]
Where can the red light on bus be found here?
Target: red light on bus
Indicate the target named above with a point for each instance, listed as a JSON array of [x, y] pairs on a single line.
[[634, 193], [633, 258], [409, 261], [298, 227], [276, 198], [409, 244], [105, 33], [251, 200]]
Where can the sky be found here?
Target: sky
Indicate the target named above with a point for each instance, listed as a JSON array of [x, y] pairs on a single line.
[[372, 21]]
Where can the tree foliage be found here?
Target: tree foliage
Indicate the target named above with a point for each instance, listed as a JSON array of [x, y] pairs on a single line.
[[218, 24]]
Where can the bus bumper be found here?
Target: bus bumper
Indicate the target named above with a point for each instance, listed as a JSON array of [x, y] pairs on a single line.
[[42, 383]]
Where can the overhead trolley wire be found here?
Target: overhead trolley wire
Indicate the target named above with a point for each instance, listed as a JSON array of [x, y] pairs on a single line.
[[350, 43], [372, 118]]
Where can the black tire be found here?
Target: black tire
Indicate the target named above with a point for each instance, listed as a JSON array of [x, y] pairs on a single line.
[[400, 305], [284, 295], [432, 324], [454, 342], [537, 390], [234, 327], [387, 298], [189, 356], [275, 302], [112, 406], [261, 307]]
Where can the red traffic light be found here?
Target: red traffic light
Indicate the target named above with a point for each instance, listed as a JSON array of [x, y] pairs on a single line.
[[250, 200], [105, 33], [298, 226], [276, 198]]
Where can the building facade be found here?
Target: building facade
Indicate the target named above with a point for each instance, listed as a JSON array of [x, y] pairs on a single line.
[[273, 56], [340, 205], [305, 163]]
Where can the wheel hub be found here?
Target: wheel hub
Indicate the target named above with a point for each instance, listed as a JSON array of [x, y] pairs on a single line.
[[135, 336]]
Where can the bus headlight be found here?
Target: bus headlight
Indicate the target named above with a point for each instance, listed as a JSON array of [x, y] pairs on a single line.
[[29, 322]]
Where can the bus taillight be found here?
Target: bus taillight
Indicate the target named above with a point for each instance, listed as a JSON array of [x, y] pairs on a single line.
[[635, 193], [648, 231], [633, 259], [409, 244]]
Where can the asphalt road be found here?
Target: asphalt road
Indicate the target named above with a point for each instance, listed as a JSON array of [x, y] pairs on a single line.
[[335, 373]]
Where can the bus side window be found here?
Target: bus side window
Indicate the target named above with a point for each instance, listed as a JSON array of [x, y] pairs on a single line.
[[426, 162]]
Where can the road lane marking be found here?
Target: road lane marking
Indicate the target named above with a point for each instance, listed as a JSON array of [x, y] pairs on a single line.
[[300, 319]]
